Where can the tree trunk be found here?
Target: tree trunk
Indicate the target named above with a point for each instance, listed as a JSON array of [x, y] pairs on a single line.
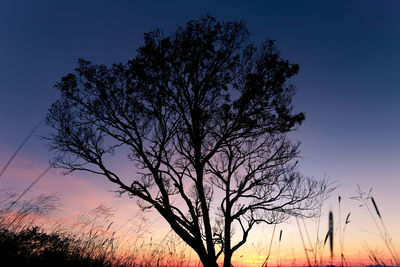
[[227, 226], [228, 259], [227, 248], [209, 261]]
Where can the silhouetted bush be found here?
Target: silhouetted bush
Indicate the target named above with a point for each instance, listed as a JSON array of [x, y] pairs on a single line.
[[33, 247]]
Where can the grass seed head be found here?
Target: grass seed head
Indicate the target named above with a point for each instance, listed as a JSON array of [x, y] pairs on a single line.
[[376, 207], [331, 232], [347, 218]]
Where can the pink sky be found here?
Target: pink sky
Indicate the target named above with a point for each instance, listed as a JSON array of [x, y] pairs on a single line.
[[80, 193]]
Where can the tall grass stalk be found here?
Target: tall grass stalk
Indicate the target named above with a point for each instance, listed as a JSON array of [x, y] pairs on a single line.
[[340, 223], [302, 241], [265, 263], [19, 148], [309, 240], [383, 233], [317, 241], [331, 233], [340, 227], [342, 232], [31, 185], [278, 259], [342, 257]]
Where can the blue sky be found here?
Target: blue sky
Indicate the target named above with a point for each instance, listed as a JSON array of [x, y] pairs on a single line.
[[348, 53]]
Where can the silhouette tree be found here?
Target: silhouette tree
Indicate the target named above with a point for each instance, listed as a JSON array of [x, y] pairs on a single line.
[[203, 115]]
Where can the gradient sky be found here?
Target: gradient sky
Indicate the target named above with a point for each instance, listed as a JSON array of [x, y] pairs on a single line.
[[348, 86]]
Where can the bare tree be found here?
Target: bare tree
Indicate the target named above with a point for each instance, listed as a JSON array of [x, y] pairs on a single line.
[[203, 114]]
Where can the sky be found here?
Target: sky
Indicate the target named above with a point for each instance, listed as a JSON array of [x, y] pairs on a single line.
[[348, 87]]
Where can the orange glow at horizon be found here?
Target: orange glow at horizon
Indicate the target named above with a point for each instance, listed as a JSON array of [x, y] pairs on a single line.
[[82, 194]]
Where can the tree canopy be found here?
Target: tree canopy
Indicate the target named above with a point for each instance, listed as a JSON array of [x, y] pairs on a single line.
[[204, 115]]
